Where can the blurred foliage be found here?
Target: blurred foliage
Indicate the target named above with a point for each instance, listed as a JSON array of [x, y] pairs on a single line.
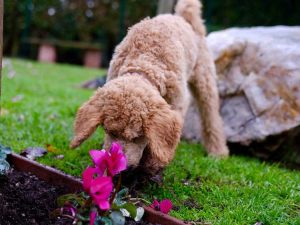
[[84, 20], [221, 14], [96, 21], [106, 21]]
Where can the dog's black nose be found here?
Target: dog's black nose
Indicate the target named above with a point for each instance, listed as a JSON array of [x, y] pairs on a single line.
[[130, 168]]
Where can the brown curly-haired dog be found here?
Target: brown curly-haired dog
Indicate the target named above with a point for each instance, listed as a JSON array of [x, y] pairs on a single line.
[[147, 94]]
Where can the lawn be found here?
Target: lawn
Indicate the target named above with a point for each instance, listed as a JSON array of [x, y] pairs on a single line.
[[39, 103]]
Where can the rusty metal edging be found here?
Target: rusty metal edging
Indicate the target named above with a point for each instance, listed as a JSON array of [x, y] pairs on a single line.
[[46, 173], [157, 217]]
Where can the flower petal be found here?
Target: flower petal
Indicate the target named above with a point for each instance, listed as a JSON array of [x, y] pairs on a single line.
[[98, 156], [102, 185], [101, 188], [155, 205], [165, 206], [93, 216], [100, 160], [103, 204], [87, 178], [115, 148], [117, 161]]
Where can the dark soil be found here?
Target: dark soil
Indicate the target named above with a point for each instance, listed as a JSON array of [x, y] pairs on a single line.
[[26, 200]]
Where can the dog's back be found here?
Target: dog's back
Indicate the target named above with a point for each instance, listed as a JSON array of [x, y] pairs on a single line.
[[167, 42]]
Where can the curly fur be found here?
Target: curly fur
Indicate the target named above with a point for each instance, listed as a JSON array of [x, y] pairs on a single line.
[[150, 78]]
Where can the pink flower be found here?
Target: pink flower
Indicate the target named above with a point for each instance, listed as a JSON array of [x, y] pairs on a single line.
[[72, 210], [164, 206], [69, 208], [114, 161], [100, 160], [87, 178], [98, 188], [93, 216], [155, 205], [100, 191]]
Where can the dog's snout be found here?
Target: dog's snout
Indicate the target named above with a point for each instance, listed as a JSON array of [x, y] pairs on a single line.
[[131, 168]]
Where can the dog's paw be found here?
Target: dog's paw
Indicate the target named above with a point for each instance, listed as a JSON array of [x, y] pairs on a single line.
[[74, 143], [220, 152]]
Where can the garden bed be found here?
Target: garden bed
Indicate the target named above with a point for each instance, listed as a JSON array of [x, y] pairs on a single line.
[[29, 193], [25, 199]]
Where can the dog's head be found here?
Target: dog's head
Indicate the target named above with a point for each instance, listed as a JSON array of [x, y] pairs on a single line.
[[132, 113]]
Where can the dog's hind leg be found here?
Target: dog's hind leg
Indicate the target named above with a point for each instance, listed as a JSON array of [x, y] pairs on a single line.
[[204, 89]]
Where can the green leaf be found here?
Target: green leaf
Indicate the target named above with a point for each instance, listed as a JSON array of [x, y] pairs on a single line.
[[71, 198], [5, 150], [117, 218], [83, 218], [4, 166], [103, 221], [2, 155], [121, 194], [118, 202], [131, 208], [139, 214], [125, 212], [115, 206]]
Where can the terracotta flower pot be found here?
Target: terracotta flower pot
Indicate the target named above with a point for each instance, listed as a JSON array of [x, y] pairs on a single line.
[[57, 177], [92, 58], [47, 53]]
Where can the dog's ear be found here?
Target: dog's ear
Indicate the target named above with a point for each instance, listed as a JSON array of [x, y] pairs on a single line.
[[162, 129], [88, 118]]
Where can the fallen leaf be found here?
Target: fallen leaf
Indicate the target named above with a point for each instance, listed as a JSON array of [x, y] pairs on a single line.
[[3, 112], [21, 118], [51, 148], [157, 179], [33, 152], [59, 156], [11, 74], [64, 124], [95, 83], [5, 63], [53, 116]]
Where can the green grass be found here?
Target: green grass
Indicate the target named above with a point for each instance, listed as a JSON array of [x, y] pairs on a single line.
[[238, 190]]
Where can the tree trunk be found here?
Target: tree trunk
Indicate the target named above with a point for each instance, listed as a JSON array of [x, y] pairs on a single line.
[[166, 6]]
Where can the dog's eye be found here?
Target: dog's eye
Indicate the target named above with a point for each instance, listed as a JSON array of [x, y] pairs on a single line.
[[113, 135]]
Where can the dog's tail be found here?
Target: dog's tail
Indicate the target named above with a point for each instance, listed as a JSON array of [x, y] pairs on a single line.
[[190, 10]]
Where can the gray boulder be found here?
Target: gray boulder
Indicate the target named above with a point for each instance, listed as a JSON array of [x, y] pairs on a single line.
[[258, 73]]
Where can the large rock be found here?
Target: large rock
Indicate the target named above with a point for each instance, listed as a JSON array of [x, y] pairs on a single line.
[[259, 83]]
